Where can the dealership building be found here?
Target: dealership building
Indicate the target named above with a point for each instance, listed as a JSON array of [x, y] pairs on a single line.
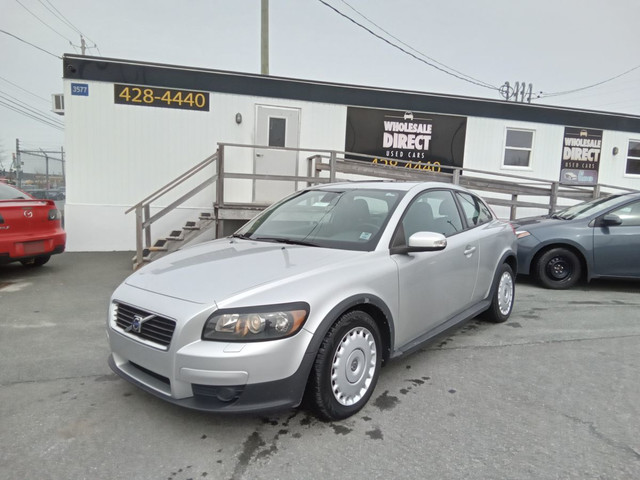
[[131, 127]]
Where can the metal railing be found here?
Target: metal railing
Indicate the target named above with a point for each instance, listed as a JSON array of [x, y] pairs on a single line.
[[325, 166], [144, 219]]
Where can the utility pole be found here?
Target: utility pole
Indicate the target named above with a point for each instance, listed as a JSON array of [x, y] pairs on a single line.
[[264, 38], [83, 45], [18, 165]]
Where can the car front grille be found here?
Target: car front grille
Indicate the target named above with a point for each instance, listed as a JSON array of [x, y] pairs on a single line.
[[134, 321]]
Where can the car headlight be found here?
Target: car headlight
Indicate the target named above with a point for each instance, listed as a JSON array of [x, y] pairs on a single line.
[[255, 324], [522, 233]]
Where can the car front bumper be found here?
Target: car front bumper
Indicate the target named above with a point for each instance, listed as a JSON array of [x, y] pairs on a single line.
[[215, 376], [527, 248]]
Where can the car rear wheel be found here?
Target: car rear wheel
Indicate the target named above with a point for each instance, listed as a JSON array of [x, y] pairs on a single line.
[[503, 296], [558, 268], [346, 368], [35, 261]]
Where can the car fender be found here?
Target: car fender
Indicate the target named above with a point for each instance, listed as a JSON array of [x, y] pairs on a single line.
[[362, 300], [564, 242]]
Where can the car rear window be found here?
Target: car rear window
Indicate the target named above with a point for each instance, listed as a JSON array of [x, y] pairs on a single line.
[[7, 192]]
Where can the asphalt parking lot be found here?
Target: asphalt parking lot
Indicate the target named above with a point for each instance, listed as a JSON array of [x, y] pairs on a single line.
[[554, 393]]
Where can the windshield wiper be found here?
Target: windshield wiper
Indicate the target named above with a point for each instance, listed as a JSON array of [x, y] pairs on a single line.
[[244, 236], [288, 241]]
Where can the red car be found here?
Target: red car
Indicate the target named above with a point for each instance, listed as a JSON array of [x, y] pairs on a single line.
[[30, 229]]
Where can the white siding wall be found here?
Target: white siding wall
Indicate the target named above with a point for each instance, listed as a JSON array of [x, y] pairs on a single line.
[[118, 154], [484, 150]]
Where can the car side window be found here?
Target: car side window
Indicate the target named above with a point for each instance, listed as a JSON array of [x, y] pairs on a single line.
[[629, 214], [475, 211], [432, 211]]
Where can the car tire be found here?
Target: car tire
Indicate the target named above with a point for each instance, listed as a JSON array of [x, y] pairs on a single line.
[[346, 368], [558, 268], [502, 297], [35, 261]]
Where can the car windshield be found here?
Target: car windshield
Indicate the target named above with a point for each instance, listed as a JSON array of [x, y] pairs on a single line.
[[586, 209], [351, 219], [7, 192]]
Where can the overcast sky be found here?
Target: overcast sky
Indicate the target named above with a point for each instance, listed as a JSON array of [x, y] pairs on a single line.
[[557, 45]]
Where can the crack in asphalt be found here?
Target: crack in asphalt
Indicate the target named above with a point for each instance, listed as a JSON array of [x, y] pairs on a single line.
[[531, 344], [598, 434], [98, 378]]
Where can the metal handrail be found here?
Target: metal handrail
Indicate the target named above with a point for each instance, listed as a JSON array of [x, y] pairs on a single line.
[[144, 220]]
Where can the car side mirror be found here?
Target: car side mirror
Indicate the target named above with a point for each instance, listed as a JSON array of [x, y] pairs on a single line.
[[422, 242], [610, 220]]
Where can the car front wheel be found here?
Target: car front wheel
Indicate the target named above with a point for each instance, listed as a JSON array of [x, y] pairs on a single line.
[[558, 268], [346, 368]]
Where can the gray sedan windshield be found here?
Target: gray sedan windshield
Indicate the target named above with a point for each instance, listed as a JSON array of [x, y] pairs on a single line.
[[349, 219], [587, 209]]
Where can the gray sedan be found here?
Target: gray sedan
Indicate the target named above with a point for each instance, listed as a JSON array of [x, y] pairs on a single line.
[[312, 297], [599, 238]]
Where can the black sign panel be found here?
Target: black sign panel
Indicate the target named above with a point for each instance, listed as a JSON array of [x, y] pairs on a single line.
[[160, 97], [415, 139], [581, 149]]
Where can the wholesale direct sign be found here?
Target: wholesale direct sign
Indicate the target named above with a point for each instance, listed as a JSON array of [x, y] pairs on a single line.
[[406, 139], [581, 150]]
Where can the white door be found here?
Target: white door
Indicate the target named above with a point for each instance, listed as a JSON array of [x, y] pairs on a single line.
[[276, 127]]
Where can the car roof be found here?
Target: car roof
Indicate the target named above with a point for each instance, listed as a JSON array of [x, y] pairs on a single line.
[[386, 185]]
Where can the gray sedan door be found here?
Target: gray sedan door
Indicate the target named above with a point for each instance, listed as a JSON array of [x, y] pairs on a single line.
[[616, 248], [434, 286]]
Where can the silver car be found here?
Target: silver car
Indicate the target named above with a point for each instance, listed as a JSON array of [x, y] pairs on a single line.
[[311, 297]]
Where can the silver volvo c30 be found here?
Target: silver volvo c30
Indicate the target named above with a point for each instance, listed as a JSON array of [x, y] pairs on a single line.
[[310, 298]]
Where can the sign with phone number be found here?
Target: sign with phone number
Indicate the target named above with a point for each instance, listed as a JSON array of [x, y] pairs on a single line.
[[161, 97]]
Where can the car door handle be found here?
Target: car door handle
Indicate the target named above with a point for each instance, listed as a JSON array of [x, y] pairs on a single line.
[[259, 155], [468, 251]]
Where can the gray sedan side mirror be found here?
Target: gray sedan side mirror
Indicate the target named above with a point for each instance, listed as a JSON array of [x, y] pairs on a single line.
[[422, 242], [610, 220]]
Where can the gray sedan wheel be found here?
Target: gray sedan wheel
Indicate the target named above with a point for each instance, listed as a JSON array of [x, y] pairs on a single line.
[[558, 268], [347, 366]]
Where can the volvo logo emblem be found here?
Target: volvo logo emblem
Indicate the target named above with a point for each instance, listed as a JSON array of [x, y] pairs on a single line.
[[136, 325], [137, 322], [28, 213]]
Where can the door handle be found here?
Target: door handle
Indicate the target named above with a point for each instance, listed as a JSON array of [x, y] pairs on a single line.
[[468, 251], [259, 155]]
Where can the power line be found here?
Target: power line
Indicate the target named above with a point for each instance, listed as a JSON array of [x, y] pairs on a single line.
[[566, 92], [413, 48], [480, 84], [42, 21], [28, 108], [58, 14], [26, 114], [24, 90], [29, 43]]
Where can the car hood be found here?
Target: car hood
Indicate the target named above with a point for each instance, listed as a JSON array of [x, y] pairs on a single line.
[[214, 271], [543, 220]]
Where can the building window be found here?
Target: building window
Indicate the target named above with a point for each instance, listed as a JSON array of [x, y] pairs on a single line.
[[517, 148], [633, 158], [277, 131]]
